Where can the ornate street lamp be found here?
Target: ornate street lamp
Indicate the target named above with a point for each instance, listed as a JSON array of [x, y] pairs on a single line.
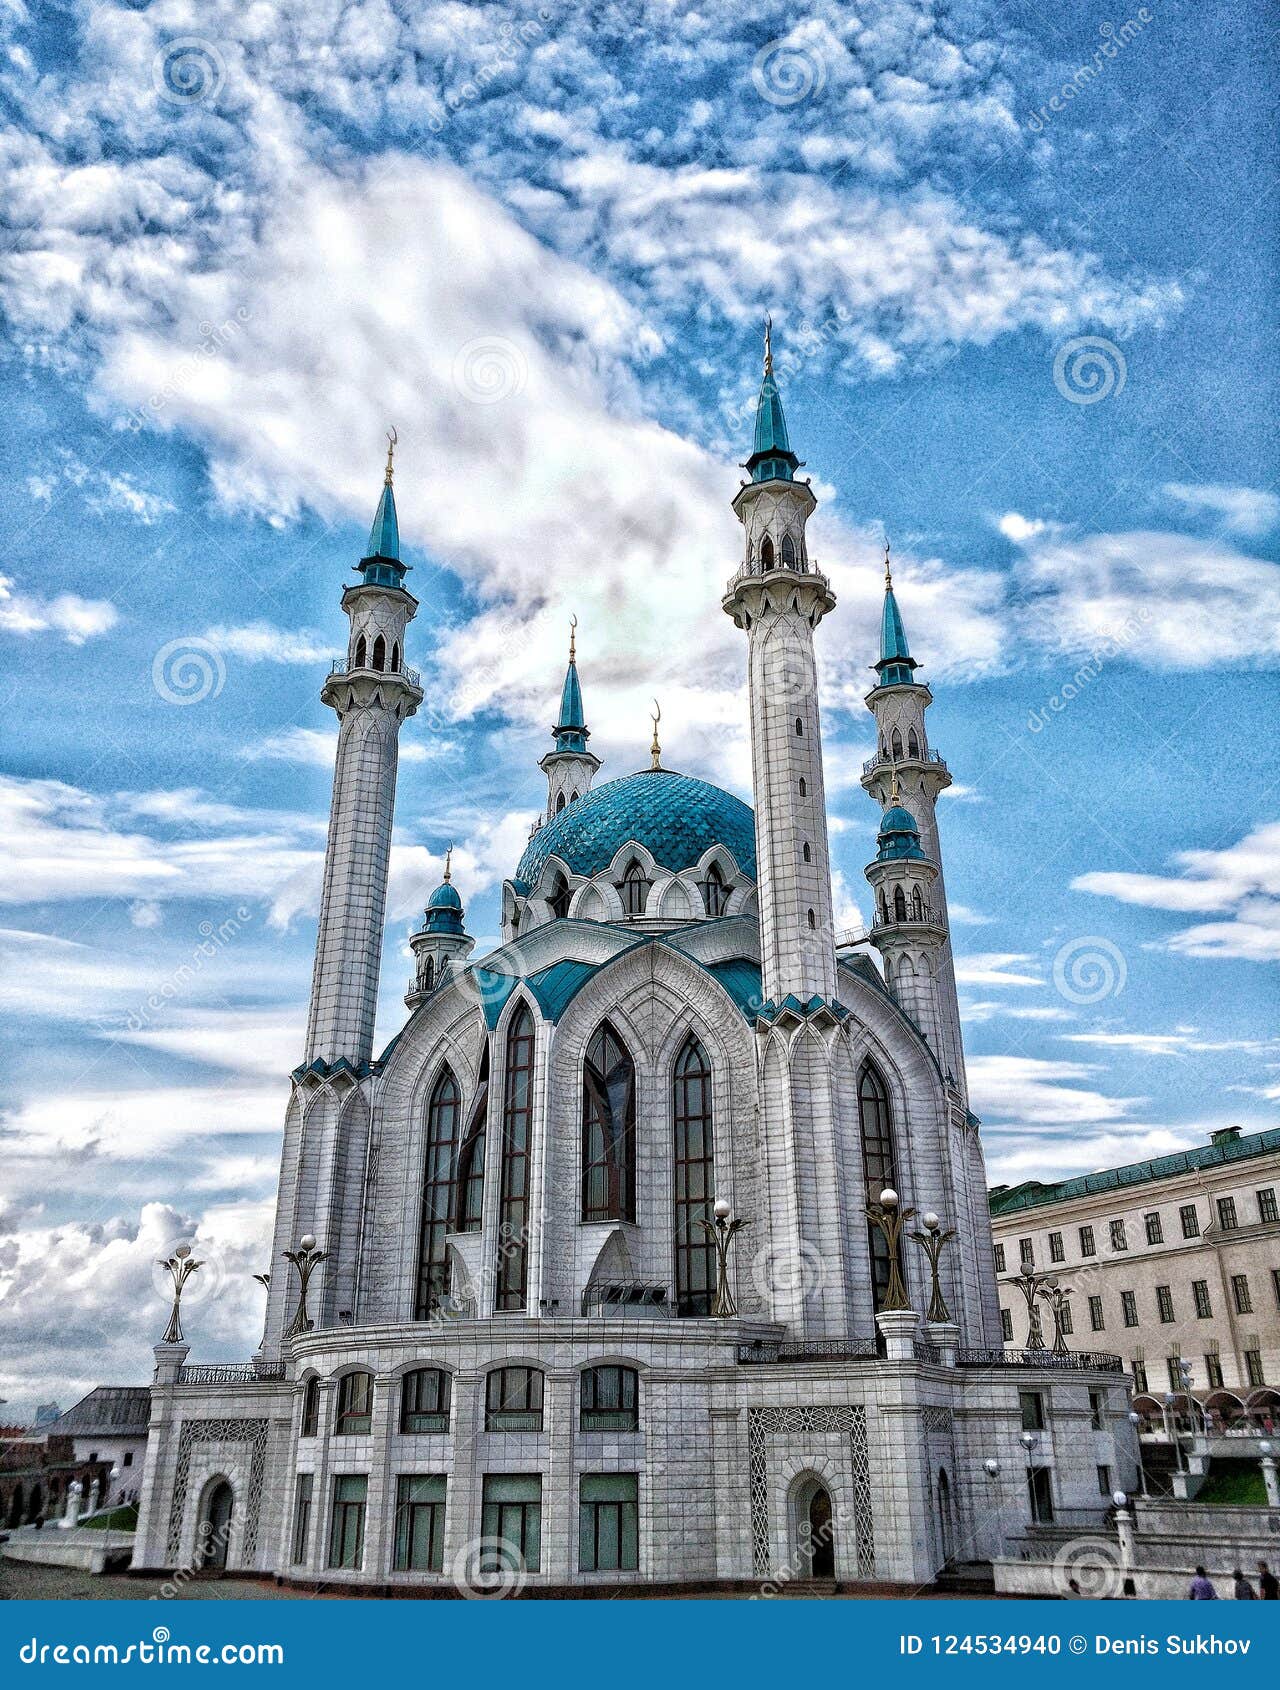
[[306, 1258], [890, 1217], [720, 1232], [1029, 1284], [932, 1241], [181, 1265], [1056, 1296]]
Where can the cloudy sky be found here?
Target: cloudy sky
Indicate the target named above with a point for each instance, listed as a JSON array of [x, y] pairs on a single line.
[[1013, 254]]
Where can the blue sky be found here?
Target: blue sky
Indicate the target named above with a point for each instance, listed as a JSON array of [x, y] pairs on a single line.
[[1023, 331]]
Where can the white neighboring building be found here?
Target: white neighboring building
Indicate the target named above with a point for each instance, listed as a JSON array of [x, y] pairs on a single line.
[[110, 1424], [512, 1354]]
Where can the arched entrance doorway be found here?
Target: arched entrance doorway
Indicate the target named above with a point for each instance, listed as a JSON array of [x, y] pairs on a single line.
[[814, 1530], [214, 1529], [946, 1526]]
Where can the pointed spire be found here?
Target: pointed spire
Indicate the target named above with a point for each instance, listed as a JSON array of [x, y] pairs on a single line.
[[571, 730], [768, 346], [655, 750], [448, 861], [393, 440], [384, 536], [896, 662], [771, 456]]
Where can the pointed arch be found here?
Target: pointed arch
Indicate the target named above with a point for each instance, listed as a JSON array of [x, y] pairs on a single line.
[[804, 787], [806, 853], [444, 1118], [361, 651], [573, 797], [558, 898], [879, 1163], [766, 554], [715, 894], [560, 802], [899, 903], [895, 744], [608, 1129], [917, 904], [469, 1178], [517, 1126], [395, 657], [913, 750], [788, 552], [429, 974], [634, 888], [379, 653], [694, 1178]]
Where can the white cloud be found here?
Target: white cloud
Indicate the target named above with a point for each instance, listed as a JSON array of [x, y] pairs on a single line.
[[1031, 1091], [996, 968], [1015, 1155], [76, 619], [1241, 510], [1183, 1042], [992, 1010], [259, 642]]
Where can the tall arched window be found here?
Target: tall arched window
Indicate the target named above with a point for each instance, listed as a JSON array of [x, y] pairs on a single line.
[[634, 888], [813, 922], [395, 658], [444, 1117], [899, 903], [559, 899], [917, 904], [804, 788], [517, 1122], [913, 744], [715, 894], [573, 797], [895, 743], [608, 1130], [360, 652], [559, 802], [379, 653], [799, 727], [694, 1183], [807, 853], [766, 554], [429, 974], [469, 1183], [878, 1164], [788, 552]]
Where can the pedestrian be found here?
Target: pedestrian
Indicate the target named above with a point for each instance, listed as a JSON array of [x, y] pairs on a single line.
[[1202, 1588], [1268, 1584], [1242, 1590]]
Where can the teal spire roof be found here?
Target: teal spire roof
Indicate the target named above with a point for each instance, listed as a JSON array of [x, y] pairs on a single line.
[[444, 907], [771, 456], [571, 730], [381, 565], [899, 834], [896, 662]]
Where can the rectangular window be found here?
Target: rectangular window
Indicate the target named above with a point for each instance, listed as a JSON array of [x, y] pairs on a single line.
[[1006, 1326], [1056, 1252], [1275, 1284], [1118, 1239], [1227, 1214], [608, 1399], [1267, 1210], [424, 1400], [1155, 1228], [1097, 1409], [1240, 1293], [1040, 1493], [1174, 1365], [419, 1523], [1032, 1405], [355, 1405], [1096, 1320], [302, 1517], [511, 1517], [1104, 1480], [1065, 1317], [1189, 1215], [346, 1534], [1087, 1245], [1129, 1308], [1139, 1375], [1213, 1371], [998, 1252], [609, 1523], [1253, 1366], [1026, 1253], [513, 1400], [1164, 1303], [1200, 1291]]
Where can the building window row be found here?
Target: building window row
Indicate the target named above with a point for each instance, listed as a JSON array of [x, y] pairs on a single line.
[[1153, 1224], [609, 1400], [1241, 1297]]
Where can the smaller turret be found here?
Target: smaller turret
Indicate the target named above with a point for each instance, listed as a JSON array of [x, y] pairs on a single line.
[[442, 943], [569, 767], [906, 929]]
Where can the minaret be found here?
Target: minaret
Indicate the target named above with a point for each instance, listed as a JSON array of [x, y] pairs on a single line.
[[778, 598], [570, 767], [907, 776], [373, 693], [442, 943]]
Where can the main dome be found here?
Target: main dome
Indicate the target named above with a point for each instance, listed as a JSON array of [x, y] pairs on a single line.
[[676, 817]]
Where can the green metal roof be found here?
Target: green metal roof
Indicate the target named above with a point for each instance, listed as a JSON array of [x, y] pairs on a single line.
[[1033, 1194]]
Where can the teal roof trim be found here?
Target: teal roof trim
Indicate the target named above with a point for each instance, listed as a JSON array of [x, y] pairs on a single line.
[[742, 982], [1032, 1194], [553, 988]]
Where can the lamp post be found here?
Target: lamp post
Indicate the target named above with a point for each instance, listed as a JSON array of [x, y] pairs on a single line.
[[181, 1265], [1135, 1420], [1056, 1296], [1171, 1427], [264, 1279], [890, 1217], [1029, 1440], [306, 1258], [1029, 1284], [721, 1231], [932, 1241]]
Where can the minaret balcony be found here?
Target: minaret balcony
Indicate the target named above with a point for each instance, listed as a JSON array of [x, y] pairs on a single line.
[[921, 920], [882, 760], [340, 666]]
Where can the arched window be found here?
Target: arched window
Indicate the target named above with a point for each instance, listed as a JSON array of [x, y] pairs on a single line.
[[917, 904], [913, 748], [379, 653], [766, 554], [609, 1399], [608, 1130], [813, 921], [694, 1179], [799, 727], [559, 899], [715, 894], [559, 802], [751, 557], [895, 743], [395, 658], [355, 1405], [428, 981], [788, 552], [899, 903], [513, 1400], [878, 1164], [884, 908], [573, 797], [804, 788], [807, 853], [360, 652], [517, 1121], [311, 1408], [469, 1184], [424, 1400], [444, 1118], [634, 888]]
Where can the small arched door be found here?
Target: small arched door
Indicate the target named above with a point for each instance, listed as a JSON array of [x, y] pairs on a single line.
[[215, 1526], [815, 1545]]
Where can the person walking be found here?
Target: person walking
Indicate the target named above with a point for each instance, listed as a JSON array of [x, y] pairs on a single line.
[[1268, 1584], [1202, 1588], [1242, 1590]]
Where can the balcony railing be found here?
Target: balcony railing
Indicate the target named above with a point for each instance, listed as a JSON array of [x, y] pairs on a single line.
[[230, 1373], [340, 666], [786, 1351], [882, 758], [629, 1297], [923, 917], [1095, 1360]]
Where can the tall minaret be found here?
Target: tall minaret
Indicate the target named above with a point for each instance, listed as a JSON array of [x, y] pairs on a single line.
[[569, 766], [778, 598], [905, 773], [373, 693]]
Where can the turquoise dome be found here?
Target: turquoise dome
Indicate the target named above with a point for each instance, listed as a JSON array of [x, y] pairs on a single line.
[[676, 817], [444, 911], [445, 897], [899, 834]]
